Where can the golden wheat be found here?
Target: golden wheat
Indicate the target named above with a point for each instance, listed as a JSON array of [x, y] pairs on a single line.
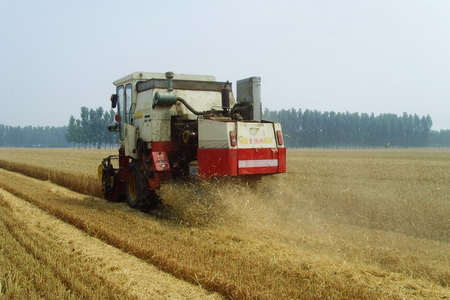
[[33, 266], [43, 257], [341, 224]]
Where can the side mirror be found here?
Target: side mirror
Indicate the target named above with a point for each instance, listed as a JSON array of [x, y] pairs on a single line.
[[113, 100], [113, 127]]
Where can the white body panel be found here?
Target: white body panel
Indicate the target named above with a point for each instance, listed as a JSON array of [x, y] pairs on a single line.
[[130, 141], [250, 135], [214, 134]]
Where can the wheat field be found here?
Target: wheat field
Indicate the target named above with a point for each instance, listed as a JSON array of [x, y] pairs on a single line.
[[355, 224]]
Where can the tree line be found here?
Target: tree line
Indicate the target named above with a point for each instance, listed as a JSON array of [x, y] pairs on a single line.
[[29, 136], [312, 128], [91, 128], [302, 128], [440, 138]]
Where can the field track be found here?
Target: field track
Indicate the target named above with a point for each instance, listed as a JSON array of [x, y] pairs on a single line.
[[102, 270], [241, 249]]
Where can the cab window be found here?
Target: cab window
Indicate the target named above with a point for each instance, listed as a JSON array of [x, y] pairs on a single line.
[[121, 110], [128, 103]]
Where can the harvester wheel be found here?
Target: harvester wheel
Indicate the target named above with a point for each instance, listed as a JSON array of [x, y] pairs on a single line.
[[139, 194]]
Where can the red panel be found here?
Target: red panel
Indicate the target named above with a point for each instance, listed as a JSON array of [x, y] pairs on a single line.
[[282, 160], [161, 161], [217, 162], [223, 162], [261, 161], [165, 146]]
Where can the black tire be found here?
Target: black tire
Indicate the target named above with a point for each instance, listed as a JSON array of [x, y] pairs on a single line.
[[139, 194]]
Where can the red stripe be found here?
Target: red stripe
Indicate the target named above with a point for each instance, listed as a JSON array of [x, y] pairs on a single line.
[[217, 162]]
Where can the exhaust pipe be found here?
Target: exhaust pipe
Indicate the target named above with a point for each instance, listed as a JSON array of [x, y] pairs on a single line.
[[226, 100]]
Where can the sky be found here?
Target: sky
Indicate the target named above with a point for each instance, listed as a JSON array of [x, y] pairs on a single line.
[[350, 55]]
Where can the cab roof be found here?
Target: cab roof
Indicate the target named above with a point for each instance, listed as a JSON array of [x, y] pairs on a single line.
[[140, 76]]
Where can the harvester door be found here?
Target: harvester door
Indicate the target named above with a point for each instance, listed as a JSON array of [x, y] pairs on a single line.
[[130, 141]]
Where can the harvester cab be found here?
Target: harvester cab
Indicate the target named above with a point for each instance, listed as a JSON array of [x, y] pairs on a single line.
[[175, 127]]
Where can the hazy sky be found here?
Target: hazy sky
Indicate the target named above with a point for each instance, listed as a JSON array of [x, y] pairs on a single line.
[[354, 55]]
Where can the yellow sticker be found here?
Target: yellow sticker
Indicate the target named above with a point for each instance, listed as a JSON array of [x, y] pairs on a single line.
[[137, 114], [243, 140]]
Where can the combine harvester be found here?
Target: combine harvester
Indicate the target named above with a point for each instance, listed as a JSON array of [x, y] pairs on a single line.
[[174, 127]]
